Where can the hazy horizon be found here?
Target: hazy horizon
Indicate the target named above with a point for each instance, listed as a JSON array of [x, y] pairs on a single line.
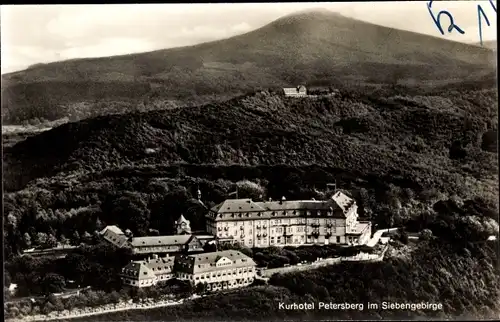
[[63, 32]]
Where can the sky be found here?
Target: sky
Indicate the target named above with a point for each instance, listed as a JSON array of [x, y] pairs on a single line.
[[33, 34]]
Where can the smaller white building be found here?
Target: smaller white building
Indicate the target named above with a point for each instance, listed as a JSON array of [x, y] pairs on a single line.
[[299, 91], [114, 235], [148, 272], [12, 288], [217, 270]]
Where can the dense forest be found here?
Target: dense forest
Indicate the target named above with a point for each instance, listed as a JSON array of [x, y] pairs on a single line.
[[398, 155], [421, 160], [438, 143]]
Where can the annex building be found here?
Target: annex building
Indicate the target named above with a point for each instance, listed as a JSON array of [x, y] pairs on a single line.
[[218, 270], [148, 272], [289, 223], [183, 241]]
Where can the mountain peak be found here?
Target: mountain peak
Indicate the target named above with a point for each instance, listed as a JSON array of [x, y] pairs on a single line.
[[315, 11], [310, 18], [312, 13]]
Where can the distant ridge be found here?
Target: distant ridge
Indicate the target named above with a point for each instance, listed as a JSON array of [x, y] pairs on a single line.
[[314, 47]]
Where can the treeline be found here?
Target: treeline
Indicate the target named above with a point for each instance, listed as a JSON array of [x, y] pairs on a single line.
[[44, 109]]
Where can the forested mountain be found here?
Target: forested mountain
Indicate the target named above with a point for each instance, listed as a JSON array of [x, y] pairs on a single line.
[[394, 144]]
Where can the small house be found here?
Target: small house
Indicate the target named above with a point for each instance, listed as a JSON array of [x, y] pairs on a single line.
[[12, 288]]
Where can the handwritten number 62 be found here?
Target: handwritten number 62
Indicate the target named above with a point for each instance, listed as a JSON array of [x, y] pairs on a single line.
[[437, 20], [480, 12]]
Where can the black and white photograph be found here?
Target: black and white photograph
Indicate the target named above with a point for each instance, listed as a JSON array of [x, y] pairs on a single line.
[[280, 161]]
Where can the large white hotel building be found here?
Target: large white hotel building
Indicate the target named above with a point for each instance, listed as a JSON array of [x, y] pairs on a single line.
[[289, 223]]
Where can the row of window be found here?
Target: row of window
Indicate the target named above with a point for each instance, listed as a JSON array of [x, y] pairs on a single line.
[[234, 271], [229, 284], [157, 248], [224, 273], [276, 213], [143, 282], [297, 221], [279, 230], [161, 268], [209, 286], [289, 240]]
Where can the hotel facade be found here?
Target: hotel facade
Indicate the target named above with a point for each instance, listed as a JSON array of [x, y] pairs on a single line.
[[289, 223], [217, 270]]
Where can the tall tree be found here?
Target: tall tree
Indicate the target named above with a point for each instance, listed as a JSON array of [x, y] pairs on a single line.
[[53, 283], [27, 240], [64, 240], [76, 238], [99, 225], [41, 238], [51, 241]]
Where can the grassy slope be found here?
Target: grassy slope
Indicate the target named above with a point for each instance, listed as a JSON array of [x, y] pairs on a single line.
[[315, 47]]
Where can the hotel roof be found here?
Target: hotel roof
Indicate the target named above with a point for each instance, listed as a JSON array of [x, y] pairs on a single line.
[[242, 209], [181, 220], [163, 265], [297, 205], [149, 268], [160, 240], [237, 205], [138, 270], [112, 228], [359, 228], [342, 200], [207, 262], [118, 240]]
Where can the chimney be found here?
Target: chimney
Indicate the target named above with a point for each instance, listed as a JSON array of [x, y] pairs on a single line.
[[270, 199]]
